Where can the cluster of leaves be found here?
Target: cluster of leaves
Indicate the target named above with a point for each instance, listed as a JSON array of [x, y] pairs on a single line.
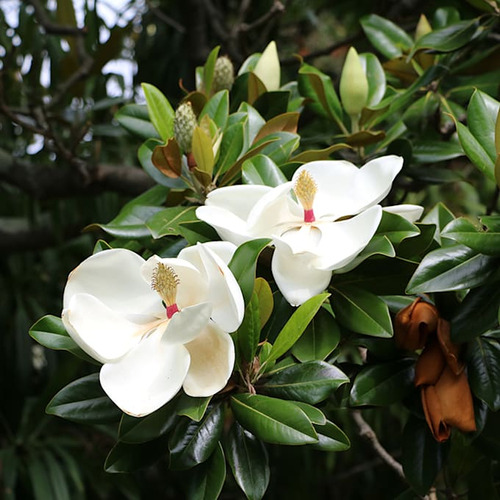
[[298, 370]]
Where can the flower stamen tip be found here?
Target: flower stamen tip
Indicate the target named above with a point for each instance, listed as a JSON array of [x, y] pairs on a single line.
[[305, 189], [164, 281]]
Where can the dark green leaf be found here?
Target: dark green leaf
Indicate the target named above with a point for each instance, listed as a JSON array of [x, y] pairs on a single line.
[[217, 108], [321, 337], [84, 401], [383, 384], [331, 438], [279, 146], [135, 430], [474, 236], [454, 267], [396, 228], [436, 151], [385, 36], [126, 457], [135, 119], [191, 407], [160, 111], [422, 456], [477, 314], [191, 442], [296, 325], [483, 362], [262, 170], [249, 332], [315, 415], [169, 221], [273, 420], [249, 462], [361, 311], [207, 479], [309, 382], [244, 263], [49, 331], [440, 216], [208, 69]]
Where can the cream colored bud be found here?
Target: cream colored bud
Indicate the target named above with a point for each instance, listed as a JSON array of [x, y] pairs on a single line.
[[423, 27], [353, 84]]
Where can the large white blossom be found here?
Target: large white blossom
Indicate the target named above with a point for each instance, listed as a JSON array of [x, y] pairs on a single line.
[[319, 221], [156, 325]]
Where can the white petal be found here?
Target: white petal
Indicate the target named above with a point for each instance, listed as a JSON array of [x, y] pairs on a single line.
[[192, 288], [224, 292], [410, 212], [342, 241], [223, 249], [212, 361], [187, 324], [148, 377], [98, 330], [295, 276], [344, 189], [114, 277]]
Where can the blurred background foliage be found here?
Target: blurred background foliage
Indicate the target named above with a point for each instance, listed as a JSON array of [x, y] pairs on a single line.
[[66, 67]]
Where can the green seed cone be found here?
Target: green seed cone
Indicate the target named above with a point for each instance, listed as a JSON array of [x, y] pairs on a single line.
[[184, 124], [223, 74]]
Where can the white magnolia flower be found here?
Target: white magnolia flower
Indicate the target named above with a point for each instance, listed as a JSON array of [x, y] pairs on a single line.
[[319, 221], [157, 325]]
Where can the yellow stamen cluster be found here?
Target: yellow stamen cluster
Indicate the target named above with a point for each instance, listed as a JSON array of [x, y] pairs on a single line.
[[164, 281], [305, 189]]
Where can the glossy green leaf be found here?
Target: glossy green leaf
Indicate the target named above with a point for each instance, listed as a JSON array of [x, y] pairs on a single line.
[[160, 111], [207, 479], [270, 104], [126, 457], [208, 69], [385, 36], [296, 325], [244, 263], [422, 457], [483, 370], [249, 462], [476, 153], [135, 430], [413, 248], [266, 300], [319, 89], [169, 221], [192, 442], [376, 78], [192, 407], [477, 313], [131, 220], [482, 114], [321, 337], [135, 119], [448, 39], [440, 216], [49, 331], [217, 108], [315, 415], [231, 147], [396, 227], [331, 438], [202, 151], [309, 382], [450, 268], [144, 155], [84, 401], [273, 420], [361, 311], [318, 154], [383, 384], [279, 146], [474, 236], [436, 151], [262, 170], [248, 334]]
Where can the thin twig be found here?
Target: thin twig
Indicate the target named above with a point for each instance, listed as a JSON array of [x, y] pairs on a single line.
[[277, 8], [368, 434], [53, 28], [164, 18]]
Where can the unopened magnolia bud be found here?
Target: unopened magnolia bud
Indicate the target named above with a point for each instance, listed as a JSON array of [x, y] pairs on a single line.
[[184, 124], [353, 84], [223, 74], [423, 27]]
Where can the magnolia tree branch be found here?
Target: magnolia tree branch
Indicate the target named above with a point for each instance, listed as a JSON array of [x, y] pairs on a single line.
[[368, 434], [45, 181]]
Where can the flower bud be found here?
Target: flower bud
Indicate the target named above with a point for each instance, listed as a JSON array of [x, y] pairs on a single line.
[[423, 27], [184, 125], [353, 84], [414, 323], [223, 74]]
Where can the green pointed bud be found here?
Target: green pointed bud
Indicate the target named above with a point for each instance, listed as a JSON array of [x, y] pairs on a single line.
[[184, 124], [423, 27], [353, 84], [223, 74]]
